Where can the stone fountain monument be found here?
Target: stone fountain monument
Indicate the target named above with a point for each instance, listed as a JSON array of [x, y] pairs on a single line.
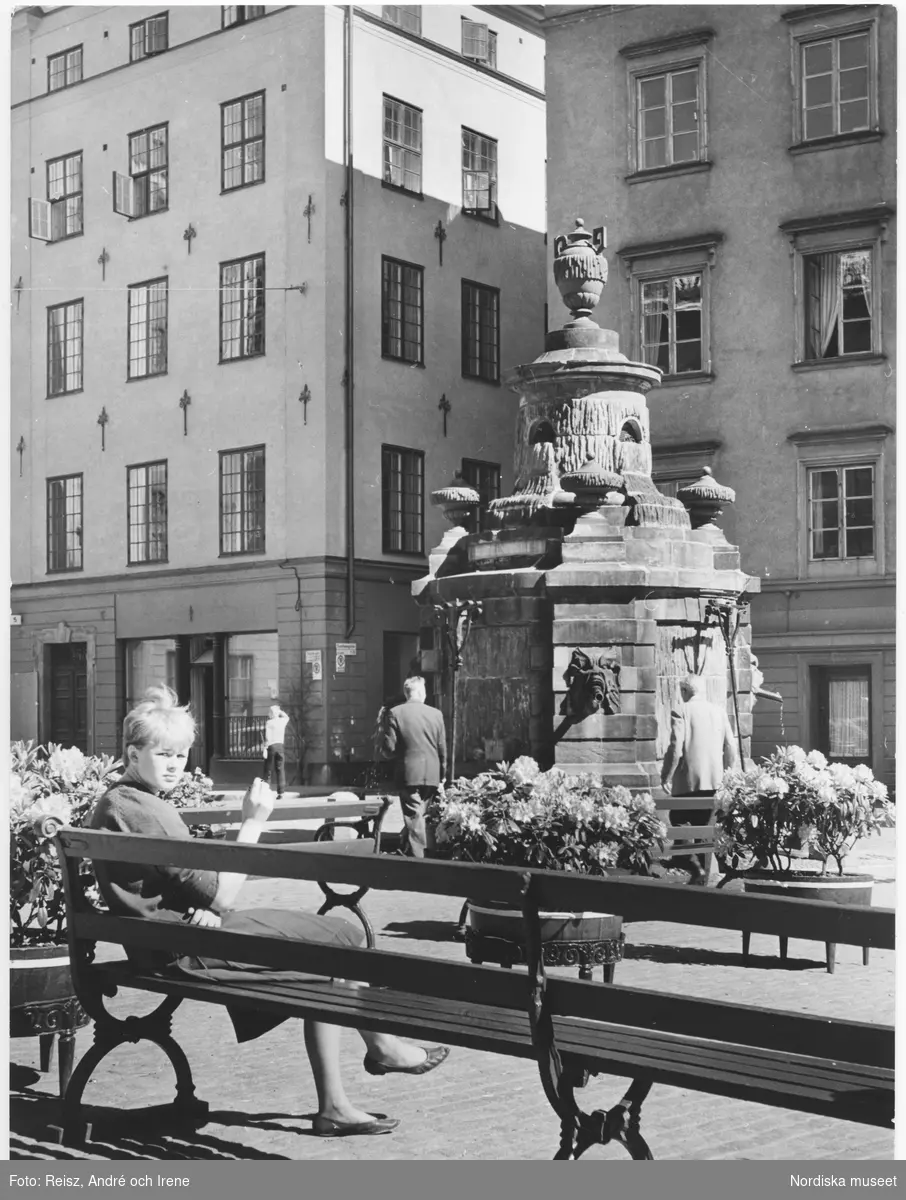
[[561, 630]]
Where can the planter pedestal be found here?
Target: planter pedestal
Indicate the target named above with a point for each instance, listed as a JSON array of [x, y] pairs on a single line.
[[42, 1004], [806, 885], [584, 940]]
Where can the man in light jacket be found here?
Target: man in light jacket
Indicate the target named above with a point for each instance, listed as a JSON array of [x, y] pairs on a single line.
[[415, 737], [274, 751], [702, 747]]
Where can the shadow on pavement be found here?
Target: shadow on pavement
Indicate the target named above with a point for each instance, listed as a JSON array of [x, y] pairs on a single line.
[[425, 931], [694, 956]]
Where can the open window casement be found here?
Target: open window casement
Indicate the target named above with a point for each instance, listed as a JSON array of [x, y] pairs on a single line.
[[475, 41], [39, 219], [123, 194], [477, 191], [155, 35]]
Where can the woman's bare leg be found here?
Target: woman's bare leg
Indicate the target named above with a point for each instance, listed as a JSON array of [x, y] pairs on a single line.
[[322, 1042], [385, 1048]]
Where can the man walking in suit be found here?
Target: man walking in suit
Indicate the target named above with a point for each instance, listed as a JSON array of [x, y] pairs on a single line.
[[415, 737], [701, 748]]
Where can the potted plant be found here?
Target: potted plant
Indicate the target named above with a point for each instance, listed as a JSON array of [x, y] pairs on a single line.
[[47, 789], [519, 815], [796, 807]]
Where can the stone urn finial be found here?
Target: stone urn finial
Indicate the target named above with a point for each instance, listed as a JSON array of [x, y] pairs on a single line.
[[580, 272], [457, 501], [592, 485], [705, 499]]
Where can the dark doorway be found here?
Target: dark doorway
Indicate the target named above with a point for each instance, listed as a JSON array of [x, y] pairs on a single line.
[[400, 661], [202, 704], [69, 695]]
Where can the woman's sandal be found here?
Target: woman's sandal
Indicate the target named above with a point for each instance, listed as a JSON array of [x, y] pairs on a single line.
[[434, 1056], [324, 1127]]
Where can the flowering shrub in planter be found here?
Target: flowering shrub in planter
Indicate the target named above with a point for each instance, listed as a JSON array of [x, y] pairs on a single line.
[[518, 815], [47, 789], [793, 800]]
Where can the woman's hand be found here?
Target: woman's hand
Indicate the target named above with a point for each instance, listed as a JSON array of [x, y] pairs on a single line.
[[204, 918], [258, 802]]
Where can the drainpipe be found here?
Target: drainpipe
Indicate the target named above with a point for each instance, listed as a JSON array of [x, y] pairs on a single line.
[[350, 334]]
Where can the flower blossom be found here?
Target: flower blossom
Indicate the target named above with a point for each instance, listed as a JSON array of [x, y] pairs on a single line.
[[816, 759]]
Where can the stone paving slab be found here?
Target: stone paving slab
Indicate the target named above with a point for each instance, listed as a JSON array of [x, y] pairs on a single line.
[[477, 1106]]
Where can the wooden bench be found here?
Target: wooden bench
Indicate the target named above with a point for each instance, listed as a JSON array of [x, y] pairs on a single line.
[[833, 1067], [363, 817]]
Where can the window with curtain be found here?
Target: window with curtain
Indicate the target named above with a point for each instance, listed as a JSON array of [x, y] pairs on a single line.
[[64, 192], [479, 174], [64, 348], [148, 37], [242, 148], [841, 698], [671, 330], [242, 308], [149, 168], [64, 523], [149, 661], [239, 14], [404, 16], [402, 145], [147, 329], [841, 503], [838, 303], [147, 492], [242, 501], [402, 310], [64, 69], [403, 496]]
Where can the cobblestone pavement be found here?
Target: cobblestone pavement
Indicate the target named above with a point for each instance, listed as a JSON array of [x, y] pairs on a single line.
[[476, 1106]]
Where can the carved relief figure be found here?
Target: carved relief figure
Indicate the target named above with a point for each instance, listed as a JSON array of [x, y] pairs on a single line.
[[593, 685]]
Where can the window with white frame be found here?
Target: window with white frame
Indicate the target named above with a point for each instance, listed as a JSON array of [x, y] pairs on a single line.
[[146, 486], [147, 329], [479, 43], [402, 145], [841, 512], [668, 103], [242, 308], [64, 348], [64, 69], [242, 141], [479, 174], [150, 36], [836, 285], [835, 76], [145, 189], [239, 14], [403, 495], [64, 523], [404, 16], [60, 215], [670, 286], [480, 332], [242, 501], [842, 501]]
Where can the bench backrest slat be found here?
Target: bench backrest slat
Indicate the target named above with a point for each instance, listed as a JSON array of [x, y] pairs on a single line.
[[633, 898], [468, 984], [231, 814]]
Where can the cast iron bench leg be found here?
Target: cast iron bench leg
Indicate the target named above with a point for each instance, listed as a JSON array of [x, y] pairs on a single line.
[[784, 946], [746, 942], [866, 951], [831, 956]]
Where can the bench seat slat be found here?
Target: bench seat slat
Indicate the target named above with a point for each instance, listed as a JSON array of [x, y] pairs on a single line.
[[635, 899], [766, 1076]]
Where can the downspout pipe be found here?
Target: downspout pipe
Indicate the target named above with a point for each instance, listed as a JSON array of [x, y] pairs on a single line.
[[350, 333]]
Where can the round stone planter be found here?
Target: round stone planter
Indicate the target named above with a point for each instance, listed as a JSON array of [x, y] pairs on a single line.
[[43, 1004], [568, 939], [807, 885]]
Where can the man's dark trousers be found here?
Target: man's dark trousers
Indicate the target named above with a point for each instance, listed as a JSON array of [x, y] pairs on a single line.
[[275, 761], [416, 738]]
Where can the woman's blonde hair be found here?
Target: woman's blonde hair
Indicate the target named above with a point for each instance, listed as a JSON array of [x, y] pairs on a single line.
[[156, 717]]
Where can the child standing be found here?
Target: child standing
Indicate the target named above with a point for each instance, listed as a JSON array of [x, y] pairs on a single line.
[[274, 751]]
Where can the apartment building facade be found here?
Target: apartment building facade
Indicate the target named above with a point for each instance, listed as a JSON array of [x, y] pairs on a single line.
[[743, 159], [270, 264]]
